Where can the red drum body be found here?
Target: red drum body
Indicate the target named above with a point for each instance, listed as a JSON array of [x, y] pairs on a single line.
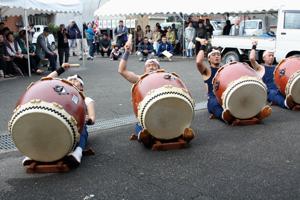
[[162, 104], [49, 116], [287, 77], [239, 89]]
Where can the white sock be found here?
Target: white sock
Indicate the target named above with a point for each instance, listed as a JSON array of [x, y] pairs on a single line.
[[77, 154]]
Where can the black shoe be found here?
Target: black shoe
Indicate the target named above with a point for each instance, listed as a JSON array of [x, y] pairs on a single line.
[[71, 162]]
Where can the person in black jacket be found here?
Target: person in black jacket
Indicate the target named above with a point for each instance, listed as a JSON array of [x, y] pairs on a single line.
[[105, 45], [63, 45], [227, 28]]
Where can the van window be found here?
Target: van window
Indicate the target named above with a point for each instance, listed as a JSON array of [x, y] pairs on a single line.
[[250, 24], [291, 20]]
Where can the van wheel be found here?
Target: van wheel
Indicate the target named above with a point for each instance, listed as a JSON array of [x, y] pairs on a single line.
[[231, 56]]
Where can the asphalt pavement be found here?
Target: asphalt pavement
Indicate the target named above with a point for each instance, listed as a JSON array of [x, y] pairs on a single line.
[[222, 162]]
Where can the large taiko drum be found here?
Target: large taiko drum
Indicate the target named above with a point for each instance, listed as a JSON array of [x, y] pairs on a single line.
[[49, 116], [287, 77], [162, 104], [239, 89]]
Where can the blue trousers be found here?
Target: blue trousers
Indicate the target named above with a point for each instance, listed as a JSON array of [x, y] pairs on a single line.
[[83, 138], [275, 97], [138, 128], [214, 107]]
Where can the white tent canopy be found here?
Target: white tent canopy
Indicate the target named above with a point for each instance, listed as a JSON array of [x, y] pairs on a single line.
[[16, 7], [137, 7]]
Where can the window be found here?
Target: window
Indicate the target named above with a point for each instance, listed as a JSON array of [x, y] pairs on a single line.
[[291, 20]]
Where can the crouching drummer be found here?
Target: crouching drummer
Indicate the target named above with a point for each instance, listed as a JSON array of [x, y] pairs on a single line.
[[73, 160]]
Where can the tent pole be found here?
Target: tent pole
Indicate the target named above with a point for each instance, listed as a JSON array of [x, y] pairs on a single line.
[[27, 42]]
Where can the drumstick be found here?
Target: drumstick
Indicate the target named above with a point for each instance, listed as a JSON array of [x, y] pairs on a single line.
[[129, 42], [74, 65]]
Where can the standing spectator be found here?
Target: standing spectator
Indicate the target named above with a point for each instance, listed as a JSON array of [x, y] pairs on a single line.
[[63, 44], [43, 49], [200, 33], [235, 29], [171, 36], [115, 53], [189, 36], [227, 27], [156, 37], [105, 45], [121, 34], [139, 35], [148, 33], [209, 28], [165, 48], [145, 50], [15, 53], [90, 37], [75, 42], [2, 25]]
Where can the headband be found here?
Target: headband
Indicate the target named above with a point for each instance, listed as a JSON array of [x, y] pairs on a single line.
[[213, 51], [76, 77]]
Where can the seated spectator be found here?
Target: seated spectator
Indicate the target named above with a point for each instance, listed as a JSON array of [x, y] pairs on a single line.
[[171, 36], [145, 50], [15, 53], [43, 49], [34, 59], [5, 61], [165, 49], [105, 45], [115, 53]]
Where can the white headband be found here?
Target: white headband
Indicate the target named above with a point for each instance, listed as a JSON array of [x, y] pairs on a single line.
[[152, 60], [267, 51], [77, 78], [213, 51]]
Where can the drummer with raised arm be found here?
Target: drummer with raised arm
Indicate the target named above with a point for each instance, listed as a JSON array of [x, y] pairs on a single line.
[[208, 73], [266, 69], [73, 160]]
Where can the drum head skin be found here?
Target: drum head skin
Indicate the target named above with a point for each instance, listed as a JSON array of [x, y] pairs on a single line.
[[245, 97], [43, 132], [293, 87], [165, 112], [168, 117]]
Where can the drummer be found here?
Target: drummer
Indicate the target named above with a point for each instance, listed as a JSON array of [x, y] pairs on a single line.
[[208, 73], [267, 71], [150, 66], [73, 160]]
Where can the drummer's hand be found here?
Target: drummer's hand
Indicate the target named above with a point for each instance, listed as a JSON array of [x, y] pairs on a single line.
[[90, 122], [254, 42], [203, 42], [128, 46], [66, 65]]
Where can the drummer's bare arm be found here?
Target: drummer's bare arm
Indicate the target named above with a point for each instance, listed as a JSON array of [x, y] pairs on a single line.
[[91, 116], [128, 75], [252, 57], [59, 71], [201, 57]]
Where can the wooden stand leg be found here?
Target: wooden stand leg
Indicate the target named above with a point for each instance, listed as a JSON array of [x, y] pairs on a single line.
[[53, 167], [245, 122]]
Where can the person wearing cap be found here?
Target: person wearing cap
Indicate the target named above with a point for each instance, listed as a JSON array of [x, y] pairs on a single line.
[[208, 73], [267, 70], [150, 66], [74, 158], [43, 49]]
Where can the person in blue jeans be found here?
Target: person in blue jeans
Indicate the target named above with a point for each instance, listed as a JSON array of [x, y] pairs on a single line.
[[150, 66], [267, 72], [73, 160], [208, 73]]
